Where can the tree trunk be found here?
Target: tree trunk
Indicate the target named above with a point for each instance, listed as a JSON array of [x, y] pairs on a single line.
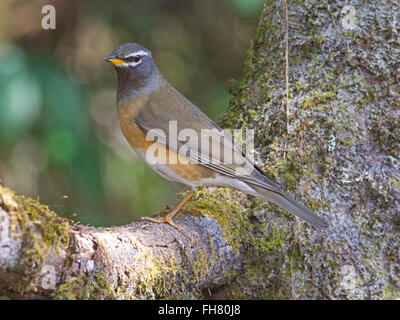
[[342, 156], [338, 152]]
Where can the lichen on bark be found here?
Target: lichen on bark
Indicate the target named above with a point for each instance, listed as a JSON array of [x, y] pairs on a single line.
[[46, 256], [342, 156]]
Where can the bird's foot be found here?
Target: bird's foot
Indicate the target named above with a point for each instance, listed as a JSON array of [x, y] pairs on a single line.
[[171, 213], [163, 220]]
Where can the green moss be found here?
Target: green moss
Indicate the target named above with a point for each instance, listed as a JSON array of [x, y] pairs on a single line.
[[255, 240], [224, 206], [317, 98], [200, 265], [156, 280], [385, 131], [344, 105], [52, 229], [83, 287], [41, 228]]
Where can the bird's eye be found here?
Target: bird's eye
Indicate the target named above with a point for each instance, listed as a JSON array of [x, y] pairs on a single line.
[[135, 59]]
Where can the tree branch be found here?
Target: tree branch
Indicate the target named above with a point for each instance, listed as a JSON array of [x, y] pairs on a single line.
[[43, 256]]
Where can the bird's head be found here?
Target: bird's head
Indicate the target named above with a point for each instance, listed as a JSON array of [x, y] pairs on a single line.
[[133, 63]]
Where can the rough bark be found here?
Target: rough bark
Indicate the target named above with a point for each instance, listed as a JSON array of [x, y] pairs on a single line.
[[341, 158], [44, 256]]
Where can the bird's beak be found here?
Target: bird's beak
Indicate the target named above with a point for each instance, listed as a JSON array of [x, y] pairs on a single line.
[[113, 59]]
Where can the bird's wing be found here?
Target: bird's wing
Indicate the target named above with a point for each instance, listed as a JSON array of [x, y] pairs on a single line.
[[178, 118]]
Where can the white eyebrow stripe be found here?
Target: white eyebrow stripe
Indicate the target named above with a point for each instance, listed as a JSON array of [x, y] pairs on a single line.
[[130, 64], [137, 53]]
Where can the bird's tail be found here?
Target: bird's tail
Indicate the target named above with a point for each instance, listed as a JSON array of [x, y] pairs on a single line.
[[292, 206]]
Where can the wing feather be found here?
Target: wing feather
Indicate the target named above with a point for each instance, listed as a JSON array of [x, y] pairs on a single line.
[[219, 153]]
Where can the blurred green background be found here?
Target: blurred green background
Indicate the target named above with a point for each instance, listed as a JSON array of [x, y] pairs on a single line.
[[59, 134]]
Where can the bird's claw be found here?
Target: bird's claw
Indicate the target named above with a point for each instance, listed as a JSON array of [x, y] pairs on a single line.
[[162, 220]]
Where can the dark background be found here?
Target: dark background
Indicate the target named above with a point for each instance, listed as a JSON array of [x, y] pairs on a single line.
[[59, 135]]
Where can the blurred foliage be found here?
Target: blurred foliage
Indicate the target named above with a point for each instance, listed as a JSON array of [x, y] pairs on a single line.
[[59, 134]]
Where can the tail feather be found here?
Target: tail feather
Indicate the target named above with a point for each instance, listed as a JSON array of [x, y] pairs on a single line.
[[292, 206]]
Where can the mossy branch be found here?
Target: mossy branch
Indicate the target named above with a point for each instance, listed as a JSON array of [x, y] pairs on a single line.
[[45, 256]]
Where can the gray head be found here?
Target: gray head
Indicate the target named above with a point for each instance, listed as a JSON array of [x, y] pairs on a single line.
[[135, 67]]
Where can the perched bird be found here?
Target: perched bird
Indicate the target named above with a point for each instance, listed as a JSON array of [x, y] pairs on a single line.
[[148, 107]]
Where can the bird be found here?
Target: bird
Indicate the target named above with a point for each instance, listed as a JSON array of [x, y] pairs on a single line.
[[148, 106]]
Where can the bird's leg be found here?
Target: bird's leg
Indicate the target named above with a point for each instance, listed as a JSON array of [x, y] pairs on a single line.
[[172, 213]]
